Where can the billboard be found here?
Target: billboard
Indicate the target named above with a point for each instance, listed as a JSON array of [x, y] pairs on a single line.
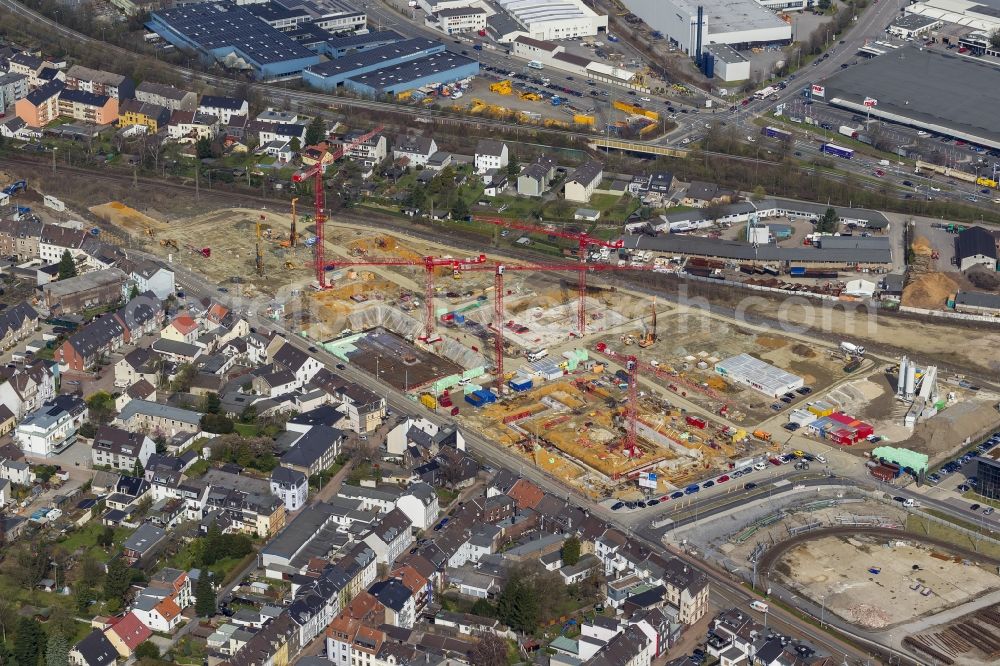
[[870, 102], [818, 90], [647, 480]]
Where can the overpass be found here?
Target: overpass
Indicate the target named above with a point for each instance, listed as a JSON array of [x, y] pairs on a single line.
[[637, 147]]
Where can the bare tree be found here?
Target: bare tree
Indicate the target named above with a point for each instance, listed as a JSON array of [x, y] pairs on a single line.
[[491, 650]]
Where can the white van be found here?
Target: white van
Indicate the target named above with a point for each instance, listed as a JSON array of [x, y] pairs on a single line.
[[758, 606]]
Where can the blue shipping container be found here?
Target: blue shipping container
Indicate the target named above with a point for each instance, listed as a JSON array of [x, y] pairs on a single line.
[[459, 318], [475, 400], [520, 384], [485, 396], [797, 270]]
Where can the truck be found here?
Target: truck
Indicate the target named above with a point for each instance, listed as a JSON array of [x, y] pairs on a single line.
[[535, 64], [762, 435], [848, 131], [764, 93], [758, 606], [852, 349], [776, 133], [695, 422], [838, 151], [537, 354]]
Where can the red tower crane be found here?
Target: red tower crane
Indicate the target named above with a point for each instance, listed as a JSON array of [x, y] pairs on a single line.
[[429, 264], [583, 239], [316, 172], [631, 407]]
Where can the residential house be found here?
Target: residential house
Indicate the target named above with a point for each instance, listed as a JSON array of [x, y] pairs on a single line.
[[491, 154], [55, 240], [700, 193], [142, 315], [7, 420], [631, 647], [301, 364], [438, 161], [314, 451], [25, 390], [534, 179], [400, 605], [121, 449], [290, 486], [390, 536], [41, 106], [93, 650], [370, 153], [166, 96], [152, 417], [53, 427], [581, 183], [17, 323], [25, 63], [13, 87], [279, 117], [657, 181], [160, 615], [183, 328], [142, 543], [223, 108], [190, 126], [17, 472], [14, 127], [268, 132], [421, 505], [140, 364], [273, 381], [88, 107], [99, 82], [87, 346], [133, 112], [127, 634], [381, 498], [416, 150]]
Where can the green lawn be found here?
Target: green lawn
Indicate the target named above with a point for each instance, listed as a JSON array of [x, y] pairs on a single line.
[[921, 526], [85, 538], [247, 429], [199, 468], [445, 496]]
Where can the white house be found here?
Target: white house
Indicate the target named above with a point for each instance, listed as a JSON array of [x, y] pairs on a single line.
[[491, 154], [421, 505], [161, 615], [290, 486], [53, 427], [581, 184], [299, 363], [121, 449], [371, 152], [390, 536], [223, 108], [281, 132], [416, 149], [153, 276], [16, 471]]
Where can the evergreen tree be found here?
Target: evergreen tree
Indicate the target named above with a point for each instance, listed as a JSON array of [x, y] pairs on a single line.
[[829, 222], [29, 645], [138, 470], [517, 606], [212, 403], [134, 292], [316, 131], [147, 650], [571, 551], [57, 650], [204, 604], [67, 267], [118, 580]]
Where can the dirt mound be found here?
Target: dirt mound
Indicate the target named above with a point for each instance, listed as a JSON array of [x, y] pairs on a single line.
[[803, 351], [921, 246], [768, 342], [983, 278], [929, 291]]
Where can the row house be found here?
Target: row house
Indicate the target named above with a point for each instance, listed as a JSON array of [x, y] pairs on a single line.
[[191, 126], [120, 449], [17, 323], [314, 451], [25, 390], [152, 417], [152, 116], [169, 97], [275, 644], [137, 365], [365, 410], [390, 536], [13, 87], [55, 241], [421, 505], [20, 238], [223, 108], [99, 82], [88, 107], [98, 339]]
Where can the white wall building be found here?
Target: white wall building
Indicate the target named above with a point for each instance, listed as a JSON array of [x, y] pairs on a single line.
[[555, 19], [290, 486], [491, 154]]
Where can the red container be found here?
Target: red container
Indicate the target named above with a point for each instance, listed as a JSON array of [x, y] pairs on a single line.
[[695, 422]]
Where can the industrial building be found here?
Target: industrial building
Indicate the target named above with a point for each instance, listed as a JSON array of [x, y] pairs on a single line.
[[988, 471], [764, 377], [977, 303], [555, 19], [910, 26], [983, 16], [392, 69], [692, 25], [726, 63], [898, 81], [233, 36], [975, 246], [553, 55]]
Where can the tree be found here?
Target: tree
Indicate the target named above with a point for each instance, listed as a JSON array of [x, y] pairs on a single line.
[[758, 193], [571, 551], [67, 267], [138, 470], [204, 604], [212, 403], [107, 537], [316, 131], [296, 144], [517, 606], [134, 292], [101, 406], [460, 209], [32, 564], [217, 423], [491, 650], [203, 148], [483, 608], [88, 430], [30, 642], [513, 166], [147, 650], [823, 5], [995, 39], [84, 595], [183, 378], [829, 222], [118, 580], [57, 650]]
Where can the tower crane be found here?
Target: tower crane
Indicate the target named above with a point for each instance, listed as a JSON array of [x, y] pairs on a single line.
[[429, 264], [259, 262], [583, 239], [315, 172]]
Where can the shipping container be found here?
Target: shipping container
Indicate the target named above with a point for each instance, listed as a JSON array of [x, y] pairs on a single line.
[[454, 411], [695, 421], [776, 133], [520, 384], [428, 401], [797, 271], [475, 400]]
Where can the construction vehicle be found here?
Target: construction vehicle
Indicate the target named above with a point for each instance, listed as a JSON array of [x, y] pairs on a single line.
[[290, 264], [502, 87], [762, 435], [203, 251], [628, 340], [169, 242], [530, 96], [15, 187], [649, 336]]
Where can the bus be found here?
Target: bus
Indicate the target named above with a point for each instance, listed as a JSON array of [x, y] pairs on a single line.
[[839, 151], [776, 133]]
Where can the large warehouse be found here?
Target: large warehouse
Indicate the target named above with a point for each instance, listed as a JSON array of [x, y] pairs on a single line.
[[738, 23], [555, 19], [899, 81], [392, 69], [981, 15], [757, 374], [234, 37]]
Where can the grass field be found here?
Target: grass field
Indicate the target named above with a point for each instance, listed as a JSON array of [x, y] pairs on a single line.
[[930, 528]]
